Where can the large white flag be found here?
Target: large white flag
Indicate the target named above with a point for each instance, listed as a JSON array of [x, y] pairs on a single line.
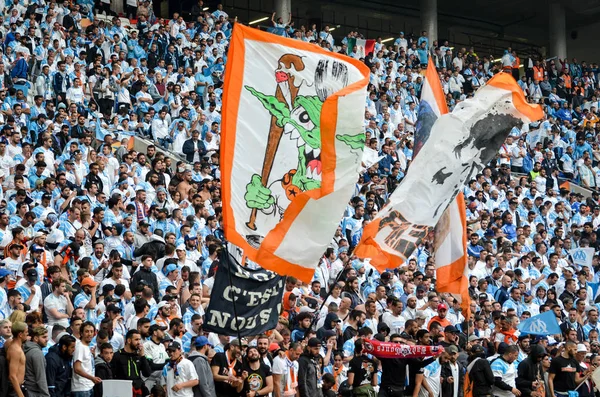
[[461, 143], [292, 143]]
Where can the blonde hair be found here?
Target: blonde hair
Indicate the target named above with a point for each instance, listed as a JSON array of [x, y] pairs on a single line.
[[17, 316]]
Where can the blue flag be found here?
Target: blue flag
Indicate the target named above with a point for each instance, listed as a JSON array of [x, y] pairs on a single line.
[[542, 324]]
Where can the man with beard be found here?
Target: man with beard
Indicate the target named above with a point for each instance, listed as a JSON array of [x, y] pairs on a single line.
[[258, 380], [442, 311], [132, 356], [58, 366], [393, 373], [505, 373], [309, 371], [564, 373], [524, 348], [227, 370], [416, 367], [84, 377], [530, 374], [179, 374], [450, 337], [156, 353], [35, 371], [285, 371], [262, 343], [410, 329], [355, 322]]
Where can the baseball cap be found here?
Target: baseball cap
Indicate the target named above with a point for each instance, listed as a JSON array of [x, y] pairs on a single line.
[[113, 308], [314, 342], [483, 296], [189, 237], [442, 306], [451, 329], [32, 274], [201, 341], [474, 338], [174, 346], [452, 349], [162, 304], [180, 247], [37, 248], [421, 314], [154, 327], [89, 282], [581, 348], [4, 273]]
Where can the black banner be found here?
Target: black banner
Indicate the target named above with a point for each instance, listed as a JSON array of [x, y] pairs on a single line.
[[257, 295]]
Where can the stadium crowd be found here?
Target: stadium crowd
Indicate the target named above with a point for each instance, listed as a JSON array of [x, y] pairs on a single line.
[[109, 255]]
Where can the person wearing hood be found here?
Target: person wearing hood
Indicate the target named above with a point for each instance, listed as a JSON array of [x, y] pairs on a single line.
[[480, 372], [332, 322], [102, 366], [35, 365], [530, 373], [58, 366], [155, 247], [198, 356], [144, 274]]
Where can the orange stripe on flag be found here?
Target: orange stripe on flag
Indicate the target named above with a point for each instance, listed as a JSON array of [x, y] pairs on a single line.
[[506, 82], [234, 75], [433, 79], [453, 277]]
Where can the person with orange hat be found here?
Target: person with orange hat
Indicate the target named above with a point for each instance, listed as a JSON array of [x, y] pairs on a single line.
[[86, 299]]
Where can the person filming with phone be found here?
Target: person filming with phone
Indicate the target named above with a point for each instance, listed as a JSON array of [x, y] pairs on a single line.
[[132, 356]]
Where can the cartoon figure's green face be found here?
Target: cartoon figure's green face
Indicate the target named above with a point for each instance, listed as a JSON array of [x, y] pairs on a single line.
[[303, 125]]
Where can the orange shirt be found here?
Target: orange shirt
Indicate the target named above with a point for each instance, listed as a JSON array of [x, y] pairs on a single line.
[[444, 322], [538, 73]]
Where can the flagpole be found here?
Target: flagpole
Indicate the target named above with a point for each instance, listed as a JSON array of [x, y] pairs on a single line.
[[232, 294], [314, 319]]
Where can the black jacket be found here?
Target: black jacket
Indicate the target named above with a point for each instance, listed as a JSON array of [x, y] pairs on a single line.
[[530, 370], [154, 248], [189, 148], [131, 366], [148, 278], [58, 373], [308, 373], [482, 377], [448, 388], [103, 371]]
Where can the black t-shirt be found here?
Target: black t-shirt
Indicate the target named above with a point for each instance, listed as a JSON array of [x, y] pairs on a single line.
[[223, 388], [349, 333], [256, 379], [363, 369], [564, 370], [393, 372]]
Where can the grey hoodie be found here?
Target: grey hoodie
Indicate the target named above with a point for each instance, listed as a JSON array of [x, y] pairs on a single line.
[[206, 384], [35, 370]]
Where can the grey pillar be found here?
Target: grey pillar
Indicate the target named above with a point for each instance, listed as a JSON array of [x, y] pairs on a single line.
[[429, 19], [283, 8], [558, 31]]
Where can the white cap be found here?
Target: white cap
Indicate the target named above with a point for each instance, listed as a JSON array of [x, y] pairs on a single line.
[[181, 247], [162, 304], [581, 348]]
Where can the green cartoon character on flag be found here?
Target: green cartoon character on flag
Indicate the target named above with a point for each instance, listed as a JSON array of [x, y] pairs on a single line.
[[299, 118]]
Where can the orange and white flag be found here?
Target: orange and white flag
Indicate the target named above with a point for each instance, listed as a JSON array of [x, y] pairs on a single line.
[[450, 233], [292, 142], [460, 145]]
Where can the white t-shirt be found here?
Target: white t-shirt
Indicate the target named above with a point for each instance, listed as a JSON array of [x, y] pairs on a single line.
[[396, 323], [186, 371], [59, 303], [84, 355], [289, 375]]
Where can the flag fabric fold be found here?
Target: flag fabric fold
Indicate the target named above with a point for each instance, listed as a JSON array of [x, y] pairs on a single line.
[[542, 324], [460, 144], [292, 142], [256, 294], [451, 230], [363, 47]]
